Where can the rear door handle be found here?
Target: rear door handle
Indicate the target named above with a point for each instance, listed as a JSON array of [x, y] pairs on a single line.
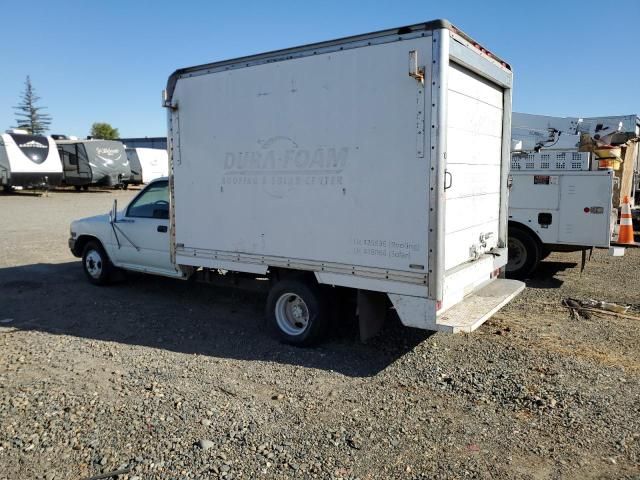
[[162, 228], [447, 173]]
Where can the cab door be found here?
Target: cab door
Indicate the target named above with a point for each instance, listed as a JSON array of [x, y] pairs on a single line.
[[143, 232]]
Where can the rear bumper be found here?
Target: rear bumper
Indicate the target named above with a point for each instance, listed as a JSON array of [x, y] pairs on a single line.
[[465, 316], [472, 294], [479, 306]]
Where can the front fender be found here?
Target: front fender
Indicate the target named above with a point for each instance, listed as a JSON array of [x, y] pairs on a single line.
[[92, 228]]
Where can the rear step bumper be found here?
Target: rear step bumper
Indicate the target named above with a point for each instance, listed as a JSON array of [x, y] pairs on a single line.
[[465, 316], [479, 306]]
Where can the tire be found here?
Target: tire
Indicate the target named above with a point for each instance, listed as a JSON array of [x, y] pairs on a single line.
[[77, 187], [297, 312], [96, 264], [524, 253], [85, 188]]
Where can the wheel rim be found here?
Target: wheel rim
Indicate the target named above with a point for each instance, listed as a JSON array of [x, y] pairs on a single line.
[[93, 264], [292, 314], [517, 255]]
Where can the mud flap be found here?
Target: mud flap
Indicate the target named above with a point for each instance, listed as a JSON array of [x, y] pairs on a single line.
[[372, 312]]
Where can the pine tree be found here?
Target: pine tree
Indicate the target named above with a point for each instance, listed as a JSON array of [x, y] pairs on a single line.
[[29, 116]]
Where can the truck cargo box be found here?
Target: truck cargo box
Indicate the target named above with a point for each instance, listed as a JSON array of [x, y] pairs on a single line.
[[377, 162]]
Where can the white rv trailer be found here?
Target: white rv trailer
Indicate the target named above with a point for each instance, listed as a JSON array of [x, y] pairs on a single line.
[[154, 163], [147, 164], [376, 162], [28, 160], [559, 199]]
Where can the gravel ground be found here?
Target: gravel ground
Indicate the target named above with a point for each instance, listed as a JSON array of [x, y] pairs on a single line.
[[176, 380]]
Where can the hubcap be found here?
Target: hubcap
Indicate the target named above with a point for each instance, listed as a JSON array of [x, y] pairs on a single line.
[[93, 264], [292, 314], [517, 255]]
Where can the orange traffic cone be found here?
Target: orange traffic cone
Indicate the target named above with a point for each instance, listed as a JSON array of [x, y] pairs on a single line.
[[625, 235]]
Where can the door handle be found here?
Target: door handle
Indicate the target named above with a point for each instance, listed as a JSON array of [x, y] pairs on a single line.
[[447, 173], [162, 228]]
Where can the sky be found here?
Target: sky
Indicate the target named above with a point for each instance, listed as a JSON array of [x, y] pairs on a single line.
[[109, 61]]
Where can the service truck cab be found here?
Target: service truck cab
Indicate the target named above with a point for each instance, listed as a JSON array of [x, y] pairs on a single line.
[[375, 164]]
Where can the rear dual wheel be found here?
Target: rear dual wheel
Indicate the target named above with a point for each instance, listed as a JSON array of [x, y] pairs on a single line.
[[297, 312]]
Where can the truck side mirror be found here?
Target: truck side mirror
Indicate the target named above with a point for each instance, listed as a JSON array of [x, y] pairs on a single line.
[[114, 212]]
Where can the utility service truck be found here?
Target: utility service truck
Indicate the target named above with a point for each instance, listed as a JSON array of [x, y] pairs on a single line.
[[564, 188], [375, 165]]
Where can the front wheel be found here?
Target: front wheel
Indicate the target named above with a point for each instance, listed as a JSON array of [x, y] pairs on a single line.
[[96, 264], [297, 312], [524, 253]]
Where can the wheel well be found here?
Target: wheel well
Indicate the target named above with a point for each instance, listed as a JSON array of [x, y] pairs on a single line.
[[526, 229], [82, 241]]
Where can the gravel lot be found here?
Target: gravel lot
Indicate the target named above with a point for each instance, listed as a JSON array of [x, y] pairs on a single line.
[[176, 380]]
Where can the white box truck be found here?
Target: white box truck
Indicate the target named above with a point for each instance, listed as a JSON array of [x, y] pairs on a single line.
[[376, 162]]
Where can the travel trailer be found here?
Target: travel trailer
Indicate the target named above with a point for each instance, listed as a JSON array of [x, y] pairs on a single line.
[[151, 162], [377, 163], [136, 169], [94, 162], [29, 161]]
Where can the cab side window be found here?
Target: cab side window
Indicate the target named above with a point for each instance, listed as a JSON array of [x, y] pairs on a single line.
[[153, 203]]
